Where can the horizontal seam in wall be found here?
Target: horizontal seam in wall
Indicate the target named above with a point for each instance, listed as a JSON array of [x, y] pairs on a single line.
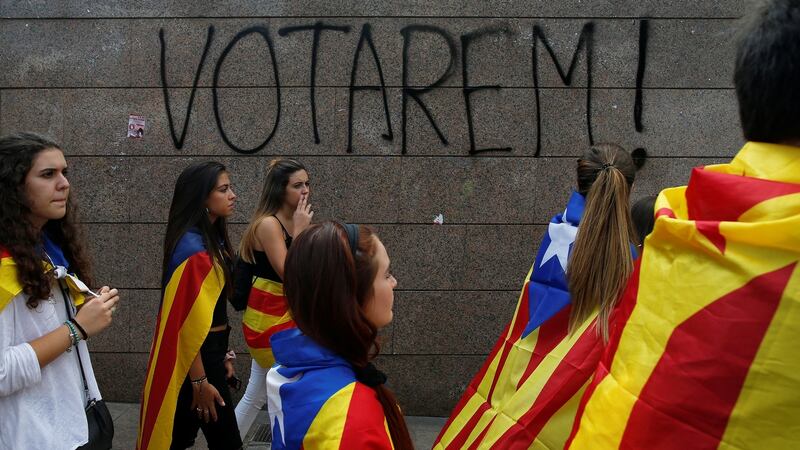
[[553, 88], [392, 17]]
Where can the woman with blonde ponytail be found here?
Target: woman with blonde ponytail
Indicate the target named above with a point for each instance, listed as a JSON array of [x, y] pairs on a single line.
[[600, 261], [527, 392]]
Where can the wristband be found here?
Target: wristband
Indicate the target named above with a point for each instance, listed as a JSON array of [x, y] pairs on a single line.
[[73, 335], [199, 381], [84, 334]]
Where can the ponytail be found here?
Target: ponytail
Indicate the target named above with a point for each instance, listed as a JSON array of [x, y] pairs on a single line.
[[394, 419], [600, 261]]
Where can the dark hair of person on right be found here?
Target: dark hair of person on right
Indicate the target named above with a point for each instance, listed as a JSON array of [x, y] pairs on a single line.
[[767, 74], [600, 261], [18, 235], [188, 210], [643, 217], [330, 291]]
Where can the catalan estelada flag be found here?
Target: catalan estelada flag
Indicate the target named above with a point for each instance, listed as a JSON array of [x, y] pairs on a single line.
[[705, 352], [266, 314], [193, 287], [526, 394], [10, 286], [315, 401]]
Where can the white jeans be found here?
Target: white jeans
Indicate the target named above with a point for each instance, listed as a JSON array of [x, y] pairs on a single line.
[[254, 398]]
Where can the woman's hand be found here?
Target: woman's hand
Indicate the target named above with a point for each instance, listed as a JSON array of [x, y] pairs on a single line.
[[229, 370], [205, 398], [302, 216], [95, 314]]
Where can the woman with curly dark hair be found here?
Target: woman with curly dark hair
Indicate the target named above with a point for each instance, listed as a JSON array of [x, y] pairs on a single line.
[[46, 311]]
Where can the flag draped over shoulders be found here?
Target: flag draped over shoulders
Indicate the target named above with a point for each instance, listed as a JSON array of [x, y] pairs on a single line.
[[315, 401], [10, 286], [705, 351], [267, 313], [192, 288], [526, 394]]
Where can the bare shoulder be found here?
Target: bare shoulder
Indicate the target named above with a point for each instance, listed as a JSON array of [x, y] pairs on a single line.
[[269, 229]]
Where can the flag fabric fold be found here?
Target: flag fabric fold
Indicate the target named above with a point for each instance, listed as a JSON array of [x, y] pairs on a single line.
[[267, 313], [191, 292], [10, 286], [315, 402], [704, 354], [526, 394]]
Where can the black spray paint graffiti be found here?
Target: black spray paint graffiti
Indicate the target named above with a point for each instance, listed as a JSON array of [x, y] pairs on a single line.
[[317, 28], [366, 38], [585, 44], [585, 41]]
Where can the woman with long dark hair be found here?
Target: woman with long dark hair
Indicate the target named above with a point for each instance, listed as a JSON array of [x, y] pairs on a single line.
[[46, 311], [526, 394], [186, 387], [282, 213], [324, 391]]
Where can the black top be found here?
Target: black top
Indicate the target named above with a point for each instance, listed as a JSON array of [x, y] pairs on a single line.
[[244, 272], [220, 316]]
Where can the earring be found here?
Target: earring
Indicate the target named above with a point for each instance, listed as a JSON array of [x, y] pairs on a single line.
[[207, 211]]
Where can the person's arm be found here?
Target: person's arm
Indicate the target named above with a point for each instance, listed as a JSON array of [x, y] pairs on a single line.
[[270, 236], [19, 367], [94, 317], [204, 395]]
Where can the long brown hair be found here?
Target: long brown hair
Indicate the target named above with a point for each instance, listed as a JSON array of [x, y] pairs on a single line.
[[187, 210], [327, 287], [18, 235], [600, 261], [272, 196]]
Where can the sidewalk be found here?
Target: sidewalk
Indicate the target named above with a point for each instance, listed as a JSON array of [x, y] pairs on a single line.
[[126, 417]]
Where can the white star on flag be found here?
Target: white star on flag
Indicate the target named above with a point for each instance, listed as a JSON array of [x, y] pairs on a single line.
[[274, 378], [562, 235]]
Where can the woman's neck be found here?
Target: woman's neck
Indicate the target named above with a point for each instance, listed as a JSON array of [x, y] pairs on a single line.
[[285, 214]]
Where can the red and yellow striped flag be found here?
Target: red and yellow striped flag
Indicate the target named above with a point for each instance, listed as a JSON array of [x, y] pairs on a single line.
[[183, 323], [10, 286], [705, 351], [266, 314], [526, 394]]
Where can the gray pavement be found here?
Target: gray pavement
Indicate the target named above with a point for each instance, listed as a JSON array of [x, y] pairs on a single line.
[[126, 417]]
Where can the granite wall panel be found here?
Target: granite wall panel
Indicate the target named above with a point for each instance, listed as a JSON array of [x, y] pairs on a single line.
[[106, 52], [76, 69]]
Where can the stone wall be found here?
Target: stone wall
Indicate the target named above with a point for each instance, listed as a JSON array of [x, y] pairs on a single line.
[[76, 70]]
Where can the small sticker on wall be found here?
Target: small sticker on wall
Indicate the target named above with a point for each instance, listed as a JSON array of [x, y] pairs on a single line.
[[136, 126]]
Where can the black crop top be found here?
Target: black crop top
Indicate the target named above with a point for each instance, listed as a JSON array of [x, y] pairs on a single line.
[[261, 268]]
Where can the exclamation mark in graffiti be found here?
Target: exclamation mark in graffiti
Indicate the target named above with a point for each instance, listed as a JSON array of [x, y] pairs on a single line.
[[640, 154]]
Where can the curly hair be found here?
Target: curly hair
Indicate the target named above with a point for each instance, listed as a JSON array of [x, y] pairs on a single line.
[[18, 235]]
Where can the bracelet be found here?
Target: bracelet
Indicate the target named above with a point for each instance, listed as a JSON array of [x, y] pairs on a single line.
[[73, 335], [84, 334], [231, 355], [199, 381]]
